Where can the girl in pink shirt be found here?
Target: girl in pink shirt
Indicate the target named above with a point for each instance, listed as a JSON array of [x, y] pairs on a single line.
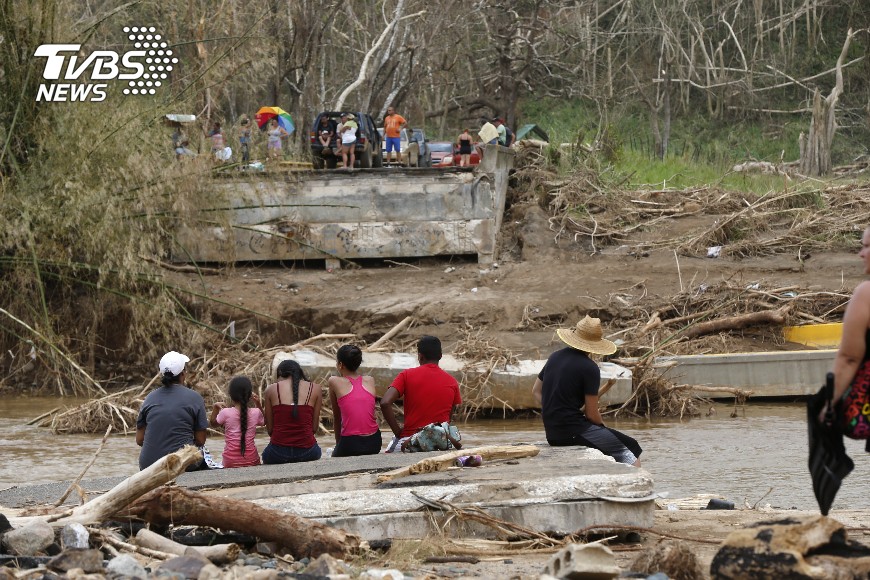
[[240, 424], [353, 406]]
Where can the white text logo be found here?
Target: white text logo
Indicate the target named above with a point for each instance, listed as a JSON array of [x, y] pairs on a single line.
[[145, 68]]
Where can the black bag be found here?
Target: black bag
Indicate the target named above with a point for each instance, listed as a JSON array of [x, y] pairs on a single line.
[[828, 461]]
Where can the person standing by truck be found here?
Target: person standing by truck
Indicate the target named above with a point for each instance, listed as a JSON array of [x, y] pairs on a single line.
[[393, 124], [348, 140]]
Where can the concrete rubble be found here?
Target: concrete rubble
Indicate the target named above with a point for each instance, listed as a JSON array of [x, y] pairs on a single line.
[[558, 491]]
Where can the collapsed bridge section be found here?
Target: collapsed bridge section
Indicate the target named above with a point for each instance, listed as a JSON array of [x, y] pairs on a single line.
[[371, 213]]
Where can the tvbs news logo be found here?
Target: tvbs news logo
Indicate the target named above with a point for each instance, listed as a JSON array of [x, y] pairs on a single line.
[[145, 68]]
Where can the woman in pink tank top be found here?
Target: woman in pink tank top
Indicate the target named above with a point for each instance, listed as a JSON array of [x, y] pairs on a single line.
[[353, 406]]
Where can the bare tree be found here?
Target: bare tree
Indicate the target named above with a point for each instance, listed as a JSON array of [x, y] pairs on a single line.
[[815, 147]]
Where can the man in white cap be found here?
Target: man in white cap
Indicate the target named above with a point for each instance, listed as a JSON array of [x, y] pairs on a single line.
[[568, 382], [172, 416]]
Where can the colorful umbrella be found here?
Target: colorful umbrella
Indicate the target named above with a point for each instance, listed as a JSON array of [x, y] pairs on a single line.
[[266, 114]]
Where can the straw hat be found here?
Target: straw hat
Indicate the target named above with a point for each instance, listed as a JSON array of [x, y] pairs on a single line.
[[587, 336]]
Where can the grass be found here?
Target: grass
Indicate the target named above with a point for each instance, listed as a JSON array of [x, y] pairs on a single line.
[[681, 173], [702, 152]]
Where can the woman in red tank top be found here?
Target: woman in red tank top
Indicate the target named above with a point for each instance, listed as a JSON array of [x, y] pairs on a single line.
[[353, 406], [292, 410]]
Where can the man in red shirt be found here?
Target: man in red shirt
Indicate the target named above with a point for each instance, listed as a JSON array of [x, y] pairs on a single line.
[[430, 394]]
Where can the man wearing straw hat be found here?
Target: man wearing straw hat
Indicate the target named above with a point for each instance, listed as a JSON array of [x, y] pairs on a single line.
[[568, 382]]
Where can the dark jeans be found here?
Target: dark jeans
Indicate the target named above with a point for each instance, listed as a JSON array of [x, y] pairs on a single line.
[[609, 441], [350, 445], [275, 454]]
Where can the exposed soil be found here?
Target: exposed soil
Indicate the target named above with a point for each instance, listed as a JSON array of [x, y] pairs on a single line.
[[536, 286]]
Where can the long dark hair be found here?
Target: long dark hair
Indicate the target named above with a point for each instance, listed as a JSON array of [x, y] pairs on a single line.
[[290, 368], [240, 392]]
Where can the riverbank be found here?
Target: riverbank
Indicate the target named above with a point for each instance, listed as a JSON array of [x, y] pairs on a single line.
[[711, 454]]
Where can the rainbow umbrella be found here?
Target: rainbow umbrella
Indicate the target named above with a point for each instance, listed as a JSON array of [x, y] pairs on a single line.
[[266, 114]]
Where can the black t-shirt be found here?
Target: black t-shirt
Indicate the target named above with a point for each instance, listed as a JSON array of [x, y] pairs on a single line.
[[568, 376]]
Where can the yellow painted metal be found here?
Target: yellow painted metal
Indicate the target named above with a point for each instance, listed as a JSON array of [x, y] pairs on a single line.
[[817, 335]]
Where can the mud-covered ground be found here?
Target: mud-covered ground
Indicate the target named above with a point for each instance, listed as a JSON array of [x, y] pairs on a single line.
[[535, 286]]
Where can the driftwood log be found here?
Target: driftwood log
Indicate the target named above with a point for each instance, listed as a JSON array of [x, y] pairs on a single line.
[[304, 538], [737, 322], [442, 462], [217, 554], [391, 333], [122, 495]]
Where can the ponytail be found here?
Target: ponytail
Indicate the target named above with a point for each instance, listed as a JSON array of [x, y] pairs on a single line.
[[290, 368], [240, 392]]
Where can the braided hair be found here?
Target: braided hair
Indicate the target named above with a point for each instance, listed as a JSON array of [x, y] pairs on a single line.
[[240, 392], [290, 368]]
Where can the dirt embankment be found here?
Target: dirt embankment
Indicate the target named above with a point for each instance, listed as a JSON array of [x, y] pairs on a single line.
[[539, 284], [572, 245]]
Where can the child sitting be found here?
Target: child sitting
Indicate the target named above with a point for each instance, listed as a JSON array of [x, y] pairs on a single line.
[[240, 424]]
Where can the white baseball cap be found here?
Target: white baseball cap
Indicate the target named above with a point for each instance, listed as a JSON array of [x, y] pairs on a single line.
[[173, 363]]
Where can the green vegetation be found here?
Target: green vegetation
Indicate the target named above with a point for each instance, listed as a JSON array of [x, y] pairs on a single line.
[[701, 152]]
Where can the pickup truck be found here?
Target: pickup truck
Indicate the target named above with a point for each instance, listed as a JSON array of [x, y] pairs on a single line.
[[415, 148]]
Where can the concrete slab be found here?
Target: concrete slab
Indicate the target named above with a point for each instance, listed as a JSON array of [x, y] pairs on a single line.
[[767, 374], [372, 213], [558, 491], [511, 384]]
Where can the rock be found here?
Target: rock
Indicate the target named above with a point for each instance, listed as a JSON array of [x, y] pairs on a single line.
[[5, 526], [326, 565], [266, 548], [79, 574], [168, 574], [263, 575], [185, 566], [127, 566], [780, 549], [382, 574], [254, 561], [88, 561], [583, 561], [675, 559], [210, 572], [29, 540], [75, 536]]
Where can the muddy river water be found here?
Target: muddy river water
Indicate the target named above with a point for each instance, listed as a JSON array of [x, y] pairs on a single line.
[[741, 458]]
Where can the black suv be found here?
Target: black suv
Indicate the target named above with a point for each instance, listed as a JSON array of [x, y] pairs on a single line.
[[368, 147]]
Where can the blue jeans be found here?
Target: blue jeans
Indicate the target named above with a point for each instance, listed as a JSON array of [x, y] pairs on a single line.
[[276, 454]]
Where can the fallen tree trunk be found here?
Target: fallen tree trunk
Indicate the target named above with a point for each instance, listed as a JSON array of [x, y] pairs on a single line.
[[119, 497], [737, 322], [304, 538], [442, 462], [217, 554]]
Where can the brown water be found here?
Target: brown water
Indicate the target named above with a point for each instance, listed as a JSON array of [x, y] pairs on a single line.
[[740, 458]]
